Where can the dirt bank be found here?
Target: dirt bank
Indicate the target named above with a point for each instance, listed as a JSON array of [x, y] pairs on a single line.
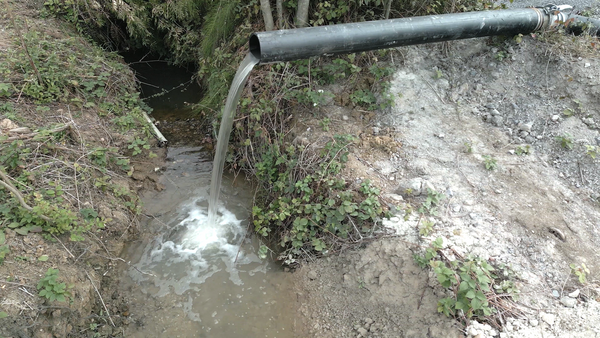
[[75, 151], [507, 132]]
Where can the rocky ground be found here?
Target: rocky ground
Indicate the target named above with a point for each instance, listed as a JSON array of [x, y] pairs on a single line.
[[529, 112]]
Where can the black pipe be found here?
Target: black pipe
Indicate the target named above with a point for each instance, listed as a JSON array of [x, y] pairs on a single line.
[[302, 43], [582, 24]]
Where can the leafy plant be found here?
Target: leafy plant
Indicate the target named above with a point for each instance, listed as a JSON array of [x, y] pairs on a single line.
[[581, 271], [324, 123], [137, 145], [426, 227], [523, 150], [51, 288], [566, 141], [431, 202], [477, 292], [592, 151], [489, 162]]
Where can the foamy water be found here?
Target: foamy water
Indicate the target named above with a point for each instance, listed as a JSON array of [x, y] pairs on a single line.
[[194, 250]]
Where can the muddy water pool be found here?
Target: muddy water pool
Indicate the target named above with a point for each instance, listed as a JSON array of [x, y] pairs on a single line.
[[190, 279]]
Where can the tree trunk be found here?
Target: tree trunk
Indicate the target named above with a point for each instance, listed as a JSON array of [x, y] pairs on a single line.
[[388, 8], [265, 7], [302, 13], [279, 5]]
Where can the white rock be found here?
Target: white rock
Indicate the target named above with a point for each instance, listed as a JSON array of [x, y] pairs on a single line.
[[548, 318], [555, 118], [568, 301], [575, 293], [534, 322]]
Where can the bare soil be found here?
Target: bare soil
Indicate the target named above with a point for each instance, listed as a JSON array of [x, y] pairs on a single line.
[[539, 211]]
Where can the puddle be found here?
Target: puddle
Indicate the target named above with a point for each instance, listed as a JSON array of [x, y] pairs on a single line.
[[186, 278], [189, 279]]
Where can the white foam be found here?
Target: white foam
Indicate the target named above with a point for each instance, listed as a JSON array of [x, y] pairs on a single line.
[[195, 250]]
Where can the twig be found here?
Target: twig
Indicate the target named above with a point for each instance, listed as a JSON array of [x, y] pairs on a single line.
[[37, 73], [5, 182], [101, 300], [61, 243], [26, 136], [435, 91]]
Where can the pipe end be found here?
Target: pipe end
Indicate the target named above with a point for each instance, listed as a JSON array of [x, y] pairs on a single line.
[[255, 46]]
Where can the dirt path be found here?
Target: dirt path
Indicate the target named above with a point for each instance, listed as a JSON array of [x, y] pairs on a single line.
[[529, 110]]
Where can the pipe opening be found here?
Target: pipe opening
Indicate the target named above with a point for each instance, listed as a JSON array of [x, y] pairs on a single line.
[[255, 46]]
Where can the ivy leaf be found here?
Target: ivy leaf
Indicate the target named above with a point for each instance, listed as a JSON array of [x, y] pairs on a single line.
[[476, 304], [3, 314], [43, 258], [22, 231]]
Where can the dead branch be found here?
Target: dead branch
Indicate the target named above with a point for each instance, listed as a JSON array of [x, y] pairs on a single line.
[[101, 300], [5, 182], [28, 136]]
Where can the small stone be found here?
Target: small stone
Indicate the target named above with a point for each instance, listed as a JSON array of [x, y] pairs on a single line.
[[568, 301], [534, 322], [494, 112], [555, 117], [368, 321], [555, 293], [312, 275], [575, 293], [587, 64], [526, 126], [472, 331], [548, 318], [497, 120], [345, 117], [376, 130], [362, 331]]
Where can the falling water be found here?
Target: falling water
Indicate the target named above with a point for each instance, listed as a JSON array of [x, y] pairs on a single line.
[[235, 91]]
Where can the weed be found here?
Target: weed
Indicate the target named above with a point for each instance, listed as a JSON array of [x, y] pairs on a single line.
[[523, 150], [431, 202], [50, 287], [4, 248], [581, 271], [566, 141], [489, 162], [426, 227], [137, 145], [477, 291], [468, 147], [592, 151], [324, 123]]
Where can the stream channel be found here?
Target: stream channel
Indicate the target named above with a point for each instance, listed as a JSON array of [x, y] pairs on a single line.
[[188, 278]]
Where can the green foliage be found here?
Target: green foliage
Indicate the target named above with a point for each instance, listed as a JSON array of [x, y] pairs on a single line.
[[309, 209], [592, 151], [523, 150], [324, 123], [581, 271], [489, 162], [51, 288], [137, 145], [566, 141], [426, 227], [431, 202], [4, 248], [477, 291]]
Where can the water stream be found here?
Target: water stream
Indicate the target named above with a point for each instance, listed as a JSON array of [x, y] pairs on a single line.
[[191, 277], [241, 76]]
